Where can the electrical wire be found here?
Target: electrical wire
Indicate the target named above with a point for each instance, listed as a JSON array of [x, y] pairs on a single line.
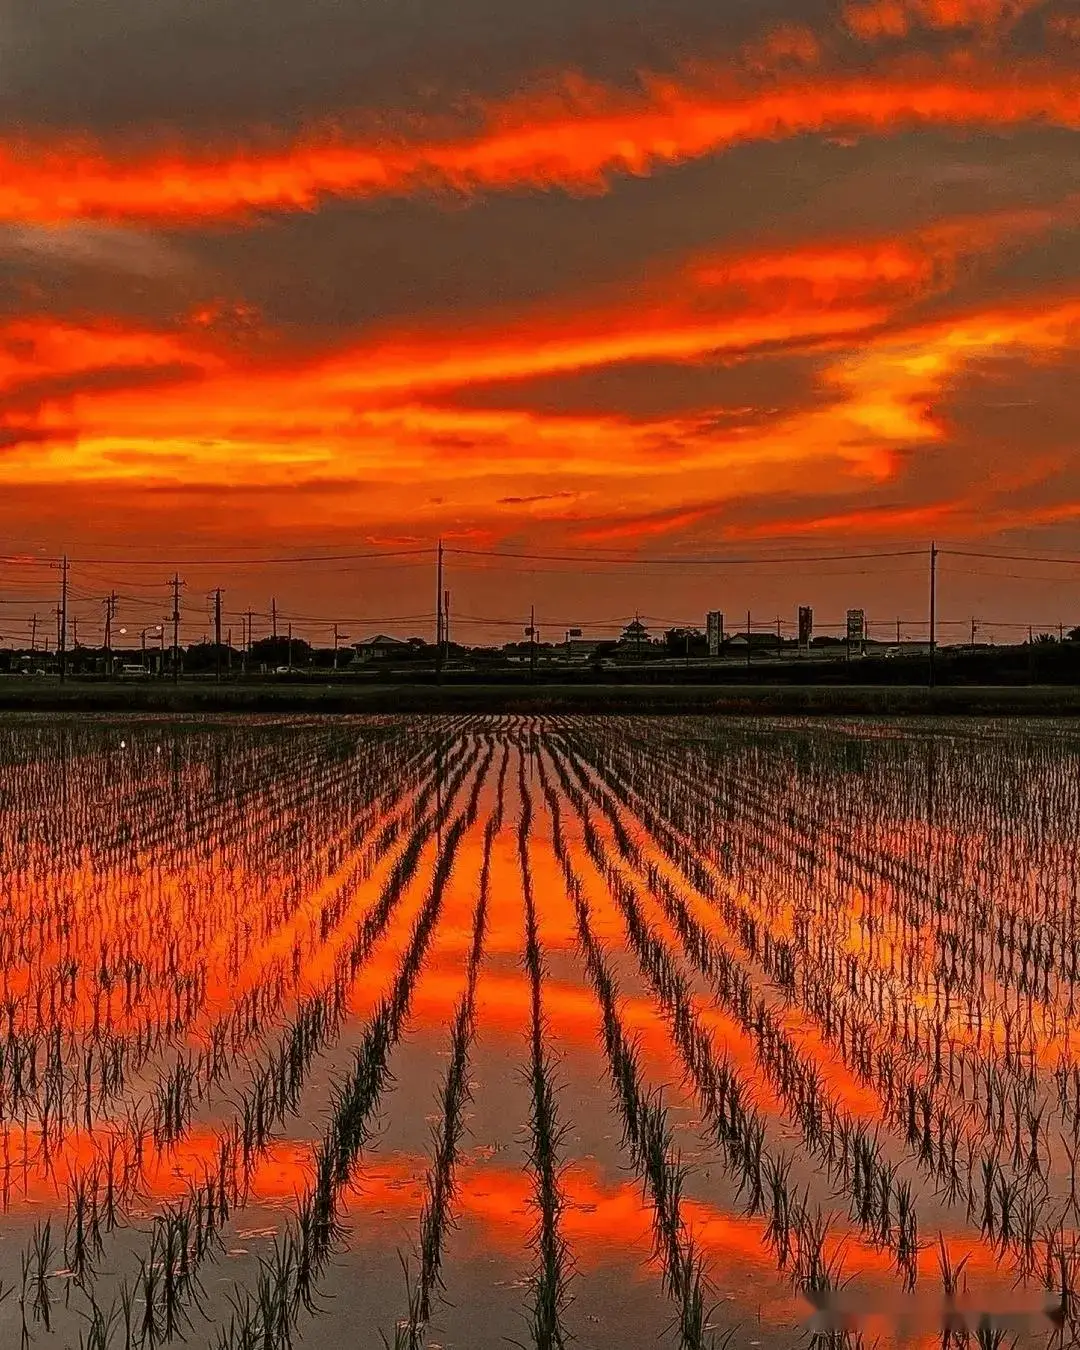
[[719, 560]]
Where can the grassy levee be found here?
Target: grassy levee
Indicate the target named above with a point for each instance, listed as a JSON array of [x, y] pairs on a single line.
[[627, 695], [98, 1193]]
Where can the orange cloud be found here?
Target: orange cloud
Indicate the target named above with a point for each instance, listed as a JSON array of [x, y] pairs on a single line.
[[642, 527], [382, 409], [874, 19], [575, 138], [783, 45]]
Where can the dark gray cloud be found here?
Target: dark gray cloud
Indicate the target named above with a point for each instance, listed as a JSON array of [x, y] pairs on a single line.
[[351, 265], [220, 64], [91, 247], [1015, 422], [751, 392]]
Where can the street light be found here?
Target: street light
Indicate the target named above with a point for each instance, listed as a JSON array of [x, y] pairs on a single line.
[[153, 628]]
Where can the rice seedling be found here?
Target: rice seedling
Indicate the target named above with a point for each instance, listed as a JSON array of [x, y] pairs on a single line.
[[437, 1214], [550, 1279]]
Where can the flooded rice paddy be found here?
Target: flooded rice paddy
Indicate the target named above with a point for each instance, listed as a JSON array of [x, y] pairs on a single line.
[[456, 1032]]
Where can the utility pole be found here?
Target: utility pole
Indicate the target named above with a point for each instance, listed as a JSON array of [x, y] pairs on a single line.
[[176, 583], [250, 640], [273, 619], [898, 632], [933, 612], [228, 649], [110, 612], [973, 627], [33, 632], [217, 635], [779, 639], [61, 632], [335, 646], [749, 629], [446, 620], [532, 642], [439, 613], [290, 648]]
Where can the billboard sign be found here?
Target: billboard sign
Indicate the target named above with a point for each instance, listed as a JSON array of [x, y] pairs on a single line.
[[714, 622], [806, 625], [856, 626]]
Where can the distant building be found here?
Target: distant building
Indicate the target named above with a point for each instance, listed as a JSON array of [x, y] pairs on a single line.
[[380, 648], [635, 638], [578, 649], [904, 648], [758, 641]]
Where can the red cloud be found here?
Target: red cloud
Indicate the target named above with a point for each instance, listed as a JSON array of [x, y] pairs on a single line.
[[575, 139]]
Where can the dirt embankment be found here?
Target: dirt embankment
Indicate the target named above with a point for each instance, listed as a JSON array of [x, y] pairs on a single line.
[[17, 695]]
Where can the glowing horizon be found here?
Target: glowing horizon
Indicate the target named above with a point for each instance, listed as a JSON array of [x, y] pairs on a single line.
[[813, 284]]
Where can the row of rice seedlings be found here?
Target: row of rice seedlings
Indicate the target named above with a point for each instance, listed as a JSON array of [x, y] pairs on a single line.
[[796, 1232], [937, 1133], [1010, 1215], [549, 1282], [97, 1194], [265, 920], [437, 1216], [20, 1079], [983, 1009], [646, 1135], [1030, 921], [880, 1202], [287, 1282], [930, 1054], [780, 842], [244, 814], [190, 985]]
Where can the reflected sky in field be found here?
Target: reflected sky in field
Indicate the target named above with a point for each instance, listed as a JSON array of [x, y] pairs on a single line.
[[794, 998]]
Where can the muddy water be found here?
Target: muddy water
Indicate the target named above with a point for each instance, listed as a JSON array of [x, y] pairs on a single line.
[[595, 1031]]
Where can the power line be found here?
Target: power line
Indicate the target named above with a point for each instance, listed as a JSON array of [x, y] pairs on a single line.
[[252, 562], [1009, 557], [717, 560]]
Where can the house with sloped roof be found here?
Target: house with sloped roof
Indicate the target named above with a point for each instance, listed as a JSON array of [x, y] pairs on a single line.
[[380, 648]]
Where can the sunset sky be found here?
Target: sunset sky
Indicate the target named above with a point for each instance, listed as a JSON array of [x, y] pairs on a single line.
[[643, 277]]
